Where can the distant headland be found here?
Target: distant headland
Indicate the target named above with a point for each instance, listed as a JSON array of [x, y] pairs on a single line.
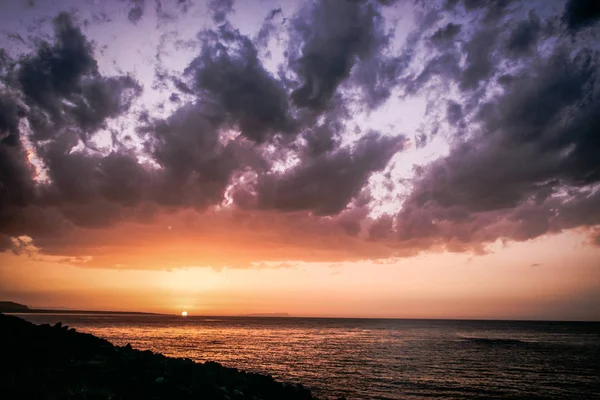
[[16, 308], [265, 315]]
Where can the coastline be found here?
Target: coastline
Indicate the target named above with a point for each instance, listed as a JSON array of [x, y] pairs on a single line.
[[44, 361]]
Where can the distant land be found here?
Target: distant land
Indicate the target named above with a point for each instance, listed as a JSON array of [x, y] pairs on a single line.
[[12, 307], [265, 315]]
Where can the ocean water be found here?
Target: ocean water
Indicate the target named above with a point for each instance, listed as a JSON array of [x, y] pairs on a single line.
[[376, 358]]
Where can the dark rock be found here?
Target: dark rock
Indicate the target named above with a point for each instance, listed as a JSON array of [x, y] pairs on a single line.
[[41, 362]]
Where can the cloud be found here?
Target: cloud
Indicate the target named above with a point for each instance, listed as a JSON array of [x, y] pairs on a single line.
[[445, 66], [248, 165], [232, 238], [479, 59], [530, 165], [62, 86], [580, 14], [268, 27], [220, 9], [5, 243], [229, 71], [16, 175], [136, 11], [444, 36], [64, 99], [525, 36], [494, 10], [104, 98], [454, 113], [196, 166], [56, 70], [327, 41], [327, 183]]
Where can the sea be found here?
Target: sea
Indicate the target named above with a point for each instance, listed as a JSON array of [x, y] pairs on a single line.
[[376, 358]]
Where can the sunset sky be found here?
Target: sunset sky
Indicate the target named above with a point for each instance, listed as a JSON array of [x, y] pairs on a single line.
[[411, 159]]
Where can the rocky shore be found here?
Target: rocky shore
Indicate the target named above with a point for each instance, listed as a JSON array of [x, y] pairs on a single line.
[[56, 362]]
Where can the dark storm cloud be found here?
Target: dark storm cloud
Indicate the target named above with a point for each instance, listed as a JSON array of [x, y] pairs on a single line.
[[72, 173], [444, 36], [64, 99], [61, 83], [16, 182], [580, 14], [121, 178], [220, 9], [196, 165], [493, 10], [445, 65], [443, 60], [10, 114], [377, 77], [475, 57], [328, 39], [56, 70], [450, 4], [136, 11], [229, 72], [479, 62], [268, 27], [326, 184], [536, 145], [352, 219], [104, 98], [169, 11], [67, 101], [89, 189], [552, 109], [322, 139], [16, 37], [524, 37], [5, 64], [282, 148], [454, 113]]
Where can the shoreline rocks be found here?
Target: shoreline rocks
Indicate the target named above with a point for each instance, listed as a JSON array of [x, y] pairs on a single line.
[[57, 362]]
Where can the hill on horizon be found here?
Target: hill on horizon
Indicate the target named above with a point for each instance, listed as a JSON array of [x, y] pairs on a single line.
[[12, 306]]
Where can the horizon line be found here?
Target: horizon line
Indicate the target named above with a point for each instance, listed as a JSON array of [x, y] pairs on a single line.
[[289, 316]]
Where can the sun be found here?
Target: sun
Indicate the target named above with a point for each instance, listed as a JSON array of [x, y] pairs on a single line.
[[184, 313]]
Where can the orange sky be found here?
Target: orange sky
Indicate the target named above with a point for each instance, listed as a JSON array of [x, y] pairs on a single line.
[[552, 277]]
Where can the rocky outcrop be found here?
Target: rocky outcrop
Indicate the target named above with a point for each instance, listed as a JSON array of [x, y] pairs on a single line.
[[55, 362]]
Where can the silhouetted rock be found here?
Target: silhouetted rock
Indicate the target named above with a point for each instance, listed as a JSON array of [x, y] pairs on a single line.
[[42, 362], [11, 306]]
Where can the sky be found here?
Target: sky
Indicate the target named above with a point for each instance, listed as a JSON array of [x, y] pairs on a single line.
[[349, 158]]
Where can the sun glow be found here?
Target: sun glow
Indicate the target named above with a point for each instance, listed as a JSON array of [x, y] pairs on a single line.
[[184, 313]]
